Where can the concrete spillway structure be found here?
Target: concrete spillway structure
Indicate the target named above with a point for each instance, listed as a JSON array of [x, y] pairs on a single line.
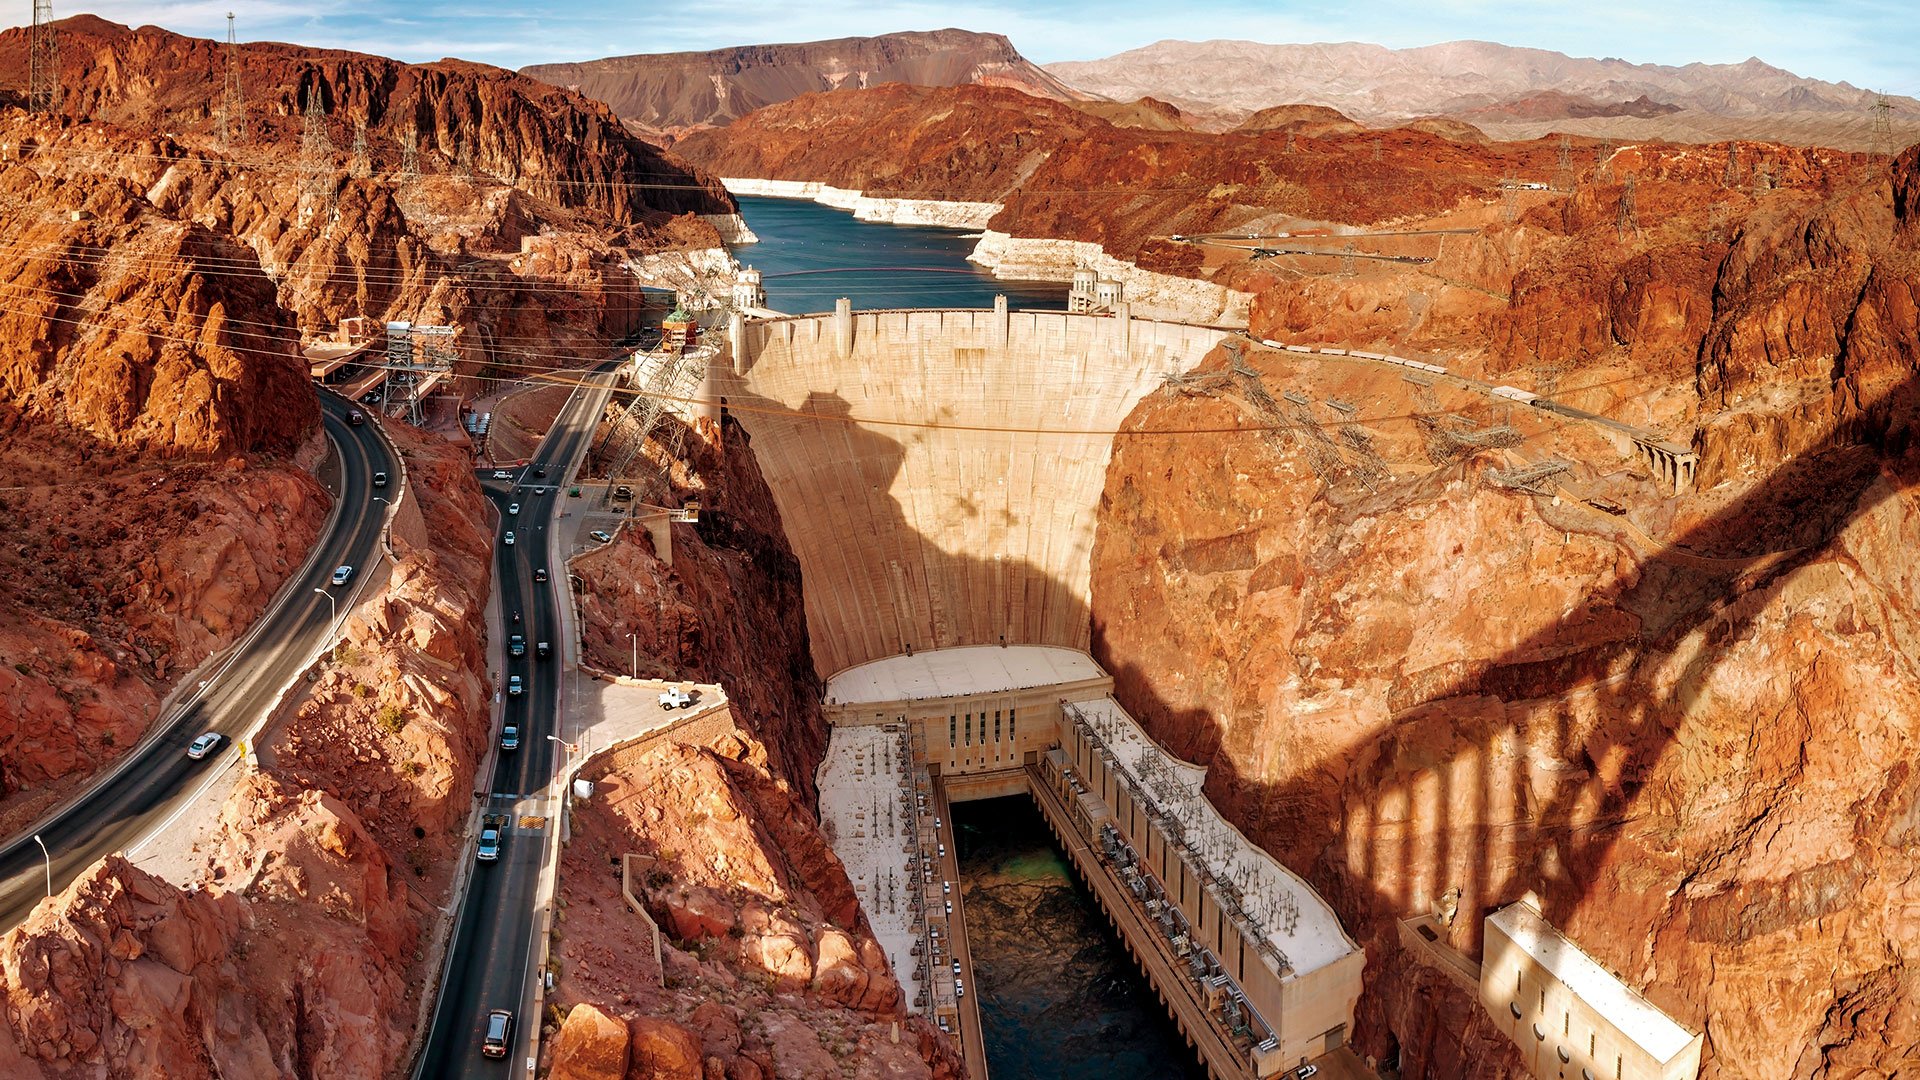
[[938, 472]]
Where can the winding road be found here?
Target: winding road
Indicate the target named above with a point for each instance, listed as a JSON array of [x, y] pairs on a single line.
[[144, 790]]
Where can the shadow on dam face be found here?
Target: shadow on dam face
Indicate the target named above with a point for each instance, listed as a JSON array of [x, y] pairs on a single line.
[[939, 473]]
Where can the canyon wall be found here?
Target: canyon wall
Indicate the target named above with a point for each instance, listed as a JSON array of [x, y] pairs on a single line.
[[936, 472], [1681, 722], [299, 949]]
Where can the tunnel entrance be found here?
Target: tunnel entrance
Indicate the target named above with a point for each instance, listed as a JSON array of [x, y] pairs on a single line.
[[1059, 999]]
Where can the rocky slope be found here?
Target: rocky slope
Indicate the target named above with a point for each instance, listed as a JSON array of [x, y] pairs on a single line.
[[671, 93], [1431, 691], [515, 229], [1477, 80], [728, 610], [767, 966], [302, 950]]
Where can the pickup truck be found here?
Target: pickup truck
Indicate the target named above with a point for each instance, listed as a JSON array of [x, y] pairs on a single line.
[[675, 698], [493, 828]]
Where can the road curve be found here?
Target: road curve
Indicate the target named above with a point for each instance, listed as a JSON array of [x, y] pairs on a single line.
[[493, 935], [145, 789]]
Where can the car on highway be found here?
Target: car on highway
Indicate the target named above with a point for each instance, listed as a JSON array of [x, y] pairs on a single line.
[[514, 686], [956, 968], [356, 418], [502, 474], [675, 698], [517, 645], [203, 745], [342, 574], [379, 479], [543, 650], [498, 1035], [492, 828], [540, 573], [601, 536], [510, 737], [539, 470], [512, 509], [509, 538]]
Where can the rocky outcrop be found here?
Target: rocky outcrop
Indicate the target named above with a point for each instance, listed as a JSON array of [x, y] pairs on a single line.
[[769, 968], [728, 610], [671, 93]]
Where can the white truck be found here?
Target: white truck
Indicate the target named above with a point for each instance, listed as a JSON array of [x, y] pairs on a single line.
[[675, 698]]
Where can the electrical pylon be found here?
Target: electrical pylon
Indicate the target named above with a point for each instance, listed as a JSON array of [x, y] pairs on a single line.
[[43, 61], [233, 107]]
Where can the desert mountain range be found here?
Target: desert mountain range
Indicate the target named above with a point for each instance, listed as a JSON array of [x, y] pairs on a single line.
[[668, 92], [1510, 93]]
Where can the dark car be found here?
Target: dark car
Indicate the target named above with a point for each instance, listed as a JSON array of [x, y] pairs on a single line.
[[510, 737], [379, 479], [539, 470], [517, 645], [543, 650], [498, 1035], [356, 418], [540, 573]]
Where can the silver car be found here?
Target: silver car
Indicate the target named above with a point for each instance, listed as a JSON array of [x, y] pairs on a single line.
[[341, 574], [203, 745]]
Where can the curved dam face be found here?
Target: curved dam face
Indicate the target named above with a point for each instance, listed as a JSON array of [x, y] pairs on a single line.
[[938, 473]]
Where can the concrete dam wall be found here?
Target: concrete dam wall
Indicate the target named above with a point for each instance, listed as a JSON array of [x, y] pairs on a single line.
[[939, 472]]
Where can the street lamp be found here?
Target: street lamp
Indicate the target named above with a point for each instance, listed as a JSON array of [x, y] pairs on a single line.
[[333, 606], [48, 858], [634, 671]]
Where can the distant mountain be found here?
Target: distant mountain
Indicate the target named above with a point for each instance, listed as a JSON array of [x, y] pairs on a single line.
[[673, 92], [1507, 91]]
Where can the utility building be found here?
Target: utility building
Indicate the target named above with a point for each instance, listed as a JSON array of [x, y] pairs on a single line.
[[1570, 1016], [748, 292], [1092, 293]]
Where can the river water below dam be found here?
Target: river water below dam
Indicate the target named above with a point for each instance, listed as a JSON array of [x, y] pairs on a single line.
[[1059, 999], [811, 255]]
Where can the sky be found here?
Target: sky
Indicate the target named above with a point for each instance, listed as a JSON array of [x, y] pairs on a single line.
[[1869, 43]]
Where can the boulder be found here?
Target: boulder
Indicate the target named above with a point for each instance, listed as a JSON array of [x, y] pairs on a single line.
[[590, 1046], [664, 1050]]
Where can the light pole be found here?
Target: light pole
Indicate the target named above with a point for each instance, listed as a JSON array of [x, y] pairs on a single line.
[[49, 860], [634, 671], [333, 606]]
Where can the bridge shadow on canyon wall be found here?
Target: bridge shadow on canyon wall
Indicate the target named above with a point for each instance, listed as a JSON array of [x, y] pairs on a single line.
[[1455, 792], [1526, 772]]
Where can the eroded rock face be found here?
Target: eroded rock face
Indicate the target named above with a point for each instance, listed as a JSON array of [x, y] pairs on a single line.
[[1695, 755], [769, 968]]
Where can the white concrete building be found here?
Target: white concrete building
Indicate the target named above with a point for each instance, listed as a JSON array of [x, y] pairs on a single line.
[[1570, 1016]]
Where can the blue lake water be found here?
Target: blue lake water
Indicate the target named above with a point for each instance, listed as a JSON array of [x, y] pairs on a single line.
[[811, 255]]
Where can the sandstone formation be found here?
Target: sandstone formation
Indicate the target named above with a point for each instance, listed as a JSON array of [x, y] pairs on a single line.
[[1512, 92], [302, 952], [768, 966], [1686, 736], [670, 93], [728, 610]]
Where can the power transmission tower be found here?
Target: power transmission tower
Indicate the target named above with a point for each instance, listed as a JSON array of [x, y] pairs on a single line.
[[1289, 148], [361, 166], [1346, 260], [1882, 128], [1629, 221], [1509, 193], [316, 149], [410, 154], [1603, 162], [43, 61], [233, 107], [463, 163], [1763, 176], [1732, 176], [1376, 149], [1563, 172]]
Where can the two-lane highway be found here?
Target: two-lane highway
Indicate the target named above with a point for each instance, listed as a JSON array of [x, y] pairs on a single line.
[[488, 960], [146, 788]]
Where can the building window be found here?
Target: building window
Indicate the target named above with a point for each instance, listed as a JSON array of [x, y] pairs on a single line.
[[1592, 1041], [1564, 1056], [1543, 999], [1566, 1022], [1586, 1074], [1516, 982], [1514, 1008], [996, 725], [1617, 1062], [1010, 715], [1538, 1034], [953, 731], [969, 738]]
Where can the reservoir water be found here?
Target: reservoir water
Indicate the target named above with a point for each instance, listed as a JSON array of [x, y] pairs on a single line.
[[1059, 999], [810, 255]]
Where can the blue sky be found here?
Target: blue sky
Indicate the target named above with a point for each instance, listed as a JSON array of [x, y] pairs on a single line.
[[1865, 42]]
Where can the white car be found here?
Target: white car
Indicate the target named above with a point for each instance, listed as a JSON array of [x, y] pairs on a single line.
[[341, 574], [601, 536], [675, 698], [1305, 1071], [513, 509], [502, 474], [514, 686], [509, 539], [203, 745]]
